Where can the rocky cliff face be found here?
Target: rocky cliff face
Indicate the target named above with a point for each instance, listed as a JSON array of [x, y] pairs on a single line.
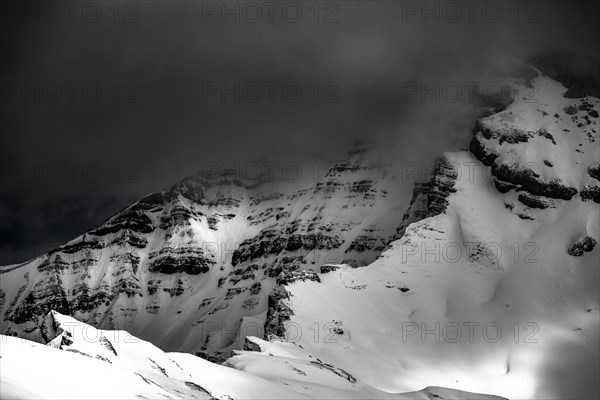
[[430, 199], [565, 163], [202, 256], [504, 238]]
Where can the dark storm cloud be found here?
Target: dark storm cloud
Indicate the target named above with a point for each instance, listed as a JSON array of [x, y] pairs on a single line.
[[159, 63], [32, 226]]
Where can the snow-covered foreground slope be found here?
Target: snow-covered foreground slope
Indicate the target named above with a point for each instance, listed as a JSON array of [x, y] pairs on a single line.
[[498, 293], [83, 362]]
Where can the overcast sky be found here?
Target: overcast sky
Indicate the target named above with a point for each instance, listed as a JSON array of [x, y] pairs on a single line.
[[100, 106]]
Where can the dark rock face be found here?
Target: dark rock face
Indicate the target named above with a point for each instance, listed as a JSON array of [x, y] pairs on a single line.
[[285, 263], [243, 274], [570, 110], [525, 216], [178, 216], [490, 133], [106, 343], [286, 277], [534, 201], [153, 203], [249, 345], [85, 301], [513, 177], [508, 177], [503, 187], [2, 300], [213, 358], [153, 309], [266, 197], [277, 313], [153, 286], [325, 268], [362, 186], [337, 371], [583, 246], [176, 290], [132, 219], [266, 214], [294, 242], [54, 264], [430, 198], [225, 202], [531, 182], [255, 288], [198, 388], [191, 187], [364, 243], [189, 260], [547, 135], [440, 187], [234, 291], [320, 241], [46, 295], [212, 223], [130, 238], [590, 193], [79, 246], [345, 166], [50, 292], [49, 328], [594, 171], [481, 152], [271, 242], [52, 332], [268, 242], [126, 261], [509, 136]]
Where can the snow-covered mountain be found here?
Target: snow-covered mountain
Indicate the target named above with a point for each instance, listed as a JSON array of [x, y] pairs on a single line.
[[485, 281], [495, 287], [192, 266], [83, 362]]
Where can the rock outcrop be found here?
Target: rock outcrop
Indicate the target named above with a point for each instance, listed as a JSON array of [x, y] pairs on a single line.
[[430, 198], [583, 246]]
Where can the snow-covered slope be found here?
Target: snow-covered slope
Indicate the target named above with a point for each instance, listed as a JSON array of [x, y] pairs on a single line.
[[495, 287], [83, 362]]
